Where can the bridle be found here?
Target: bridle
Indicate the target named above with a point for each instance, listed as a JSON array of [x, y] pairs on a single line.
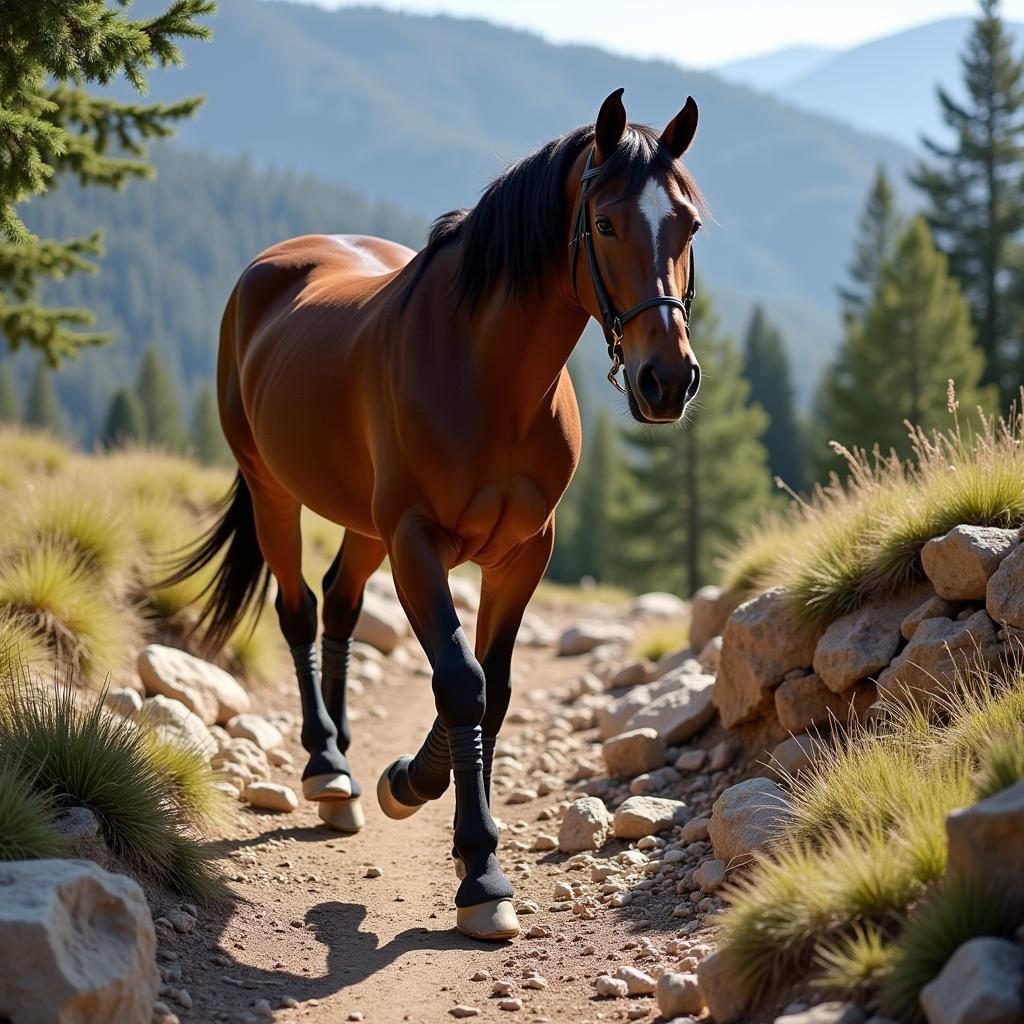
[[612, 323]]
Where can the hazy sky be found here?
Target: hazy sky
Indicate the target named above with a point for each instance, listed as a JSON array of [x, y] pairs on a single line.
[[701, 33]]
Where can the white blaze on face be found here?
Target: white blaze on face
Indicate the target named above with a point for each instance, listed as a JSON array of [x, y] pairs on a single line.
[[655, 206]]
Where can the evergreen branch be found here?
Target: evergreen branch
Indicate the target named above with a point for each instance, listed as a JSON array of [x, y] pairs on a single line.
[[46, 330], [22, 265]]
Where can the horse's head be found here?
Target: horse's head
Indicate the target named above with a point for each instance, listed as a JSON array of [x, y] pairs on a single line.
[[637, 213]]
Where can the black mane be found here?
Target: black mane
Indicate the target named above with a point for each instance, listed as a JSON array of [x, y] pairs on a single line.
[[516, 233]]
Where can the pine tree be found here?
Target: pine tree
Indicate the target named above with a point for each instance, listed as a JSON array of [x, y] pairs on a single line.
[[49, 125], [42, 409], [877, 231], [975, 199], [894, 365], [207, 439], [9, 411], [124, 422], [161, 410], [696, 486], [766, 368]]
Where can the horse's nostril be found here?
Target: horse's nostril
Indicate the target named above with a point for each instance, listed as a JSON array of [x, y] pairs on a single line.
[[648, 384], [694, 385]]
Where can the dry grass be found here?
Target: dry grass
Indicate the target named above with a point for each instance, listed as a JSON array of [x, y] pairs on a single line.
[[656, 640]]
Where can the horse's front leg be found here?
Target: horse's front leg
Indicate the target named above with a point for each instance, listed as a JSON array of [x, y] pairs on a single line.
[[421, 555]]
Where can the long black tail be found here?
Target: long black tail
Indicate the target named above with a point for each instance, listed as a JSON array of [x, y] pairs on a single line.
[[241, 579]]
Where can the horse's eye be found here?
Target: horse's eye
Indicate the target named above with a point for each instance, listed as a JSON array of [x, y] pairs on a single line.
[[695, 228], [604, 226]]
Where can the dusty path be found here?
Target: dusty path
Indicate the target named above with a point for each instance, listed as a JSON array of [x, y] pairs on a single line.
[[312, 938]]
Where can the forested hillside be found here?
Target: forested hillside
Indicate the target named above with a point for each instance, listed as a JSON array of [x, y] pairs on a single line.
[[175, 246]]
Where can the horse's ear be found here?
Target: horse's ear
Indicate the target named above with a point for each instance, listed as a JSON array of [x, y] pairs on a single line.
[[679, 133], [611, 123]]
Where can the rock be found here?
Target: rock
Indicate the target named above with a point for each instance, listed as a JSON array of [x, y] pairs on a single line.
[[760, 645], [79, 945], [681, 712], [981, 983], [632, 674], [613, 987], [271, 796], [585, 826], [864, 642], [658, 605], [805, 701], [722, 755], [208, 691], [634, 752], [465, 593], [933, 607], [464, 1011], [373, 872], [825, 1013], [710, 876], [172, 722], [241, 759], [510, 1004], [682, 660], [695, 830], [724, 994], [79, 828], [678, 994], [691, 761], [940, 648], [255, 728], [711, 654], [745, 818], [585, 636], [986, 843], [645, 815], [382, 623], [123, 700], [1004, 596], [181, 920], [613, 716], [960, 563], [637, 982], [709, 610], [792, 756]]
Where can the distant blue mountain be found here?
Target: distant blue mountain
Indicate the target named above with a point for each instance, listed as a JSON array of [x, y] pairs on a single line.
[[769, 71]]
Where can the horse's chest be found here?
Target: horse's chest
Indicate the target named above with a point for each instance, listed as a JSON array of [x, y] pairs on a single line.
[[500, 515]]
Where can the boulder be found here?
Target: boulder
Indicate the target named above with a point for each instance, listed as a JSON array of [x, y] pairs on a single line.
[[1004, 597], [585, 826], [79, 945], [863, 642], [633, 753], [382, 623], [825, 1013], [172, 722], [960, 563], [681, 712], [658, 605], [760, 645], [709, 610], [933, 607], [939, 649], [206, 690], [792, 756], [641, 816], [981, 983], [256, 728], [722, 989], [678, 994], [986, 843], [613, 716], [585, 636], [746, 818], [805, 701], [122, 700]]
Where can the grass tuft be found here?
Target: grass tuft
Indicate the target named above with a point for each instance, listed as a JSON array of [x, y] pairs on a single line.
[[663, 638], [27, 818], [856, 962]]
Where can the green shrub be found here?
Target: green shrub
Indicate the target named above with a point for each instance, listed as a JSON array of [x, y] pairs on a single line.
[[27, 817]]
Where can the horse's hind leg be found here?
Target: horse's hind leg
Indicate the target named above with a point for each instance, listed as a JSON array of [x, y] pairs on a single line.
[[343, 598]]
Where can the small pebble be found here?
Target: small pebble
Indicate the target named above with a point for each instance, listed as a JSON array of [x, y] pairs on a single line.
[[464, 1011], [510, 1004], [481, 976], [373, 872]]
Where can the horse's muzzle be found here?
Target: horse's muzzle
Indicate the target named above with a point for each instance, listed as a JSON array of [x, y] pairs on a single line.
[[660, 394]]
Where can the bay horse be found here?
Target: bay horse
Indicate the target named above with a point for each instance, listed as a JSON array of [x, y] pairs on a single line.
[[422, 402]]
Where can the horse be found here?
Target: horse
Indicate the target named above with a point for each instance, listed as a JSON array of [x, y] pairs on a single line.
[[422, 402]]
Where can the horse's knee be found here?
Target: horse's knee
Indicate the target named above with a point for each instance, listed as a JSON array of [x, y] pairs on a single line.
[[297, 617], [460, 690]]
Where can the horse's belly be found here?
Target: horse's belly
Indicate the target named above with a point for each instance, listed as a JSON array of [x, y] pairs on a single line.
[[499, 516]]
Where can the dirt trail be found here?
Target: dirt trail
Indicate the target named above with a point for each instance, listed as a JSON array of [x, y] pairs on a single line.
[[313, 932]]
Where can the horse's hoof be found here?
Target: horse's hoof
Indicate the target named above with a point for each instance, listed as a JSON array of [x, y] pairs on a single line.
[[392, 807], [460, 868], [329, 786], [342, 815], [492, 921]]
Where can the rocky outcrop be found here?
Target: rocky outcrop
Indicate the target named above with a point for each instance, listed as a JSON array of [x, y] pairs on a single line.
[[960, 563], [206, 690], [746, 818], [981, 983], [79, 945]]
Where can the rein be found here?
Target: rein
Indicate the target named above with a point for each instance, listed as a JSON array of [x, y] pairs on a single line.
[[612, 323]]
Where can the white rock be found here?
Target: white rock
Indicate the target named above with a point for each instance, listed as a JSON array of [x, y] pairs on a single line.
[[709, 611], [745, 819], [723, 992], [681, 712], [613, 716], [678, 994], [632, 674], [646, 815], [208, 691], [981, 983], [79, 945], [1004, 596], [634, 752], [257, 729], [825, 1013], [382, 623], [658, 605], [585, 826], [613, 987], [960, 563], [172, 722], [123, 700], [637, 982], [585, 636], [271, 796]]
